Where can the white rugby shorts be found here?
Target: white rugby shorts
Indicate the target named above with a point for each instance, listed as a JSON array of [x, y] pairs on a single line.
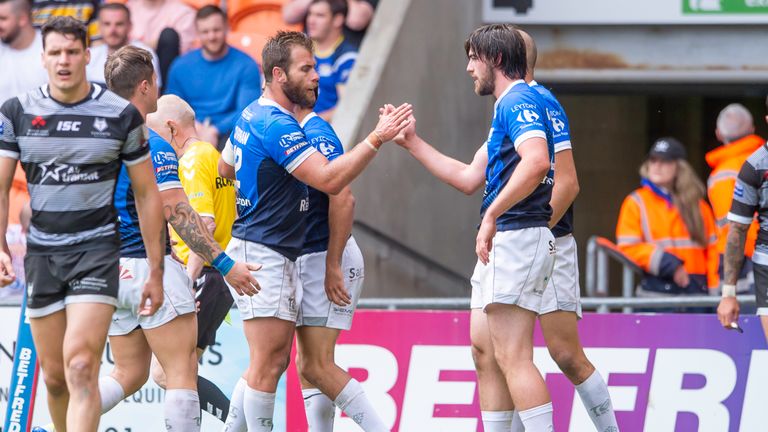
[[563, 292]]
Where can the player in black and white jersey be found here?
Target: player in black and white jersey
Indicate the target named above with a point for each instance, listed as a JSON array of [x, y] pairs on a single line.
[[72, 138], [749, 197]]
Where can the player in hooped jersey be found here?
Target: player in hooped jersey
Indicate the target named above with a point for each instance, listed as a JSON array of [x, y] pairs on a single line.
[[561, 305], [72, 138], [331, 273], [514, 246], [273, 162]]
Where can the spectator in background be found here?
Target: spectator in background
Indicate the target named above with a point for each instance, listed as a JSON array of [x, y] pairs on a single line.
[[115, 25], [735, 129], [668, 229], [356, 23], [85, 11], [217, 80], [334, 55], [166, 26], [21, 47]]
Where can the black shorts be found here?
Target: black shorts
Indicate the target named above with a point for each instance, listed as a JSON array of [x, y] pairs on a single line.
[[53, 281], [215, 303], [761, 288]]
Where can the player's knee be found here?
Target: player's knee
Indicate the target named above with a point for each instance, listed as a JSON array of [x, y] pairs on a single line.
[[482, 356], [82, 370], [132, 379], [511, 357], [55, 384], [571, 362], [311, 368], [158, 375]]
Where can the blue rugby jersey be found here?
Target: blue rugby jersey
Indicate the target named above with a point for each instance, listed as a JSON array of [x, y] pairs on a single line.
[[333, 69], [323, 138], [519, 114], [561, 136], [272, 205], [166, 168]]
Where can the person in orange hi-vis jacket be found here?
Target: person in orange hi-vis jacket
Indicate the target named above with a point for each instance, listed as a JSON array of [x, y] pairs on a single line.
[[668, 229], [735, 129]]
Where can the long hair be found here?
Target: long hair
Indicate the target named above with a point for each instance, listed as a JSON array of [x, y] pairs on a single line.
[[687, 192], [501, 46]]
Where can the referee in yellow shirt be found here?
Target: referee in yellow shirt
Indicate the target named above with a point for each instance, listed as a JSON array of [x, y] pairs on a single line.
[[213, 198]]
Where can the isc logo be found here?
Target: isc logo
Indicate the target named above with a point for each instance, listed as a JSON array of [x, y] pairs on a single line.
[[69, 126]]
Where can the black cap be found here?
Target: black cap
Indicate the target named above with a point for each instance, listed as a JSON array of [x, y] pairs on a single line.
[[667, 148]]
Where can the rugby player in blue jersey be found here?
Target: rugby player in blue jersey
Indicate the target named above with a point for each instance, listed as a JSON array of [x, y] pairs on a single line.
[[514, 245], [273, 162], [561, 303]]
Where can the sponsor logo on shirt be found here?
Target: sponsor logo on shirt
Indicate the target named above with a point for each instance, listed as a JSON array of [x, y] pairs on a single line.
[[241, 136], [246, 115], [222, 183], [38, 123], [243, 202], [324, 69], [557, 124], [165, 161], [292, 139], [65, 173], [738, 190], [68, 126], [527, 116], [100, 125]]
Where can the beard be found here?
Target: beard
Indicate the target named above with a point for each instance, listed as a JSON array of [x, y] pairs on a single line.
[[296, 94], [484, 85], [11, 36]]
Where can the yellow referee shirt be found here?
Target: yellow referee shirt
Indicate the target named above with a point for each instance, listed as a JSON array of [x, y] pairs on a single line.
[[209, 194]]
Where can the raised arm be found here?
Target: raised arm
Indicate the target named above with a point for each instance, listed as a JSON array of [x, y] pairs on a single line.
[[360, 14], [294, 11], [467, 178], [331, 178]]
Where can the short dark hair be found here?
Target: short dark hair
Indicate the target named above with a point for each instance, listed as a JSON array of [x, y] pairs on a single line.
[[501, 46], [66, 25], [338, 7], [277, 51], [116, 7], [126, 68], [210, 10]]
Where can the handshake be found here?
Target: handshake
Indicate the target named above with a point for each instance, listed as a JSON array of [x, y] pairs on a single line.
[[395, 123]]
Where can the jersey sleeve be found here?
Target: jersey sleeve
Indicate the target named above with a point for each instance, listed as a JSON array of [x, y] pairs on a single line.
[[561, 129], [523, 119], [287, 145], [136, 146], [343, 67], [746, 199], [165, 163], [325, 140], [228, 153], [198, 172], [9, 113]]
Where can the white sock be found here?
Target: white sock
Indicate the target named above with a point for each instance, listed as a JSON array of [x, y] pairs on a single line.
[[355, 404], [538, 419], [517, 423], [259, 410], [182, 410], [594, 394], [111, 393], [320, 410], [236, 416], [497, 421]]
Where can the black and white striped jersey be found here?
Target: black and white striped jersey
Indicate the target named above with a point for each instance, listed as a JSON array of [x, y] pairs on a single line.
[[72, 154]]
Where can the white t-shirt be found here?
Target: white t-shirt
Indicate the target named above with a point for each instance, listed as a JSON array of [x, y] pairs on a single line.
[[22, 70], [95, 69]]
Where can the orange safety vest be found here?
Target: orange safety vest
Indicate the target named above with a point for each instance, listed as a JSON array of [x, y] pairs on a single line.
[[726, 162], [650, 228]]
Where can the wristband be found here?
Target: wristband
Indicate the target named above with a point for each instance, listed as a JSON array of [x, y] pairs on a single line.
[[381, 140], [376, 137], [729, 290], [223, 263], [373, 147]]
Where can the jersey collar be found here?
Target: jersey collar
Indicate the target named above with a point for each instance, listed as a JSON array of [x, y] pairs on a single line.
[[269, 102], [307, 119], [533, 83], [507, 90]]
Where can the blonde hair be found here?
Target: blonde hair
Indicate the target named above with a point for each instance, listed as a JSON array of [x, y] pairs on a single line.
[[172, 107], [687, 192]]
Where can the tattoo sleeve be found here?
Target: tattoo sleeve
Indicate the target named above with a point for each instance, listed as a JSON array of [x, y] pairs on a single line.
[[734, 252], [192, 229]]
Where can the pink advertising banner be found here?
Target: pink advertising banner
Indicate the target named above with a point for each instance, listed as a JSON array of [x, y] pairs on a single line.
[[665, 372]]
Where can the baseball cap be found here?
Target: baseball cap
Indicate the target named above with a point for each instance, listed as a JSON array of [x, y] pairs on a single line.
[[667, 148]]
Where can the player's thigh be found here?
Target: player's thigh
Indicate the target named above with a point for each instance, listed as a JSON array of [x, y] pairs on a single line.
[[511, 330], [48, 335], [173, 343], [269, 340], [87, 325], [479, 333]]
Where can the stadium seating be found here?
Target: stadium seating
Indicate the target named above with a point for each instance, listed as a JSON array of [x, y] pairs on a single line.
[[258, 16], [250, 43]]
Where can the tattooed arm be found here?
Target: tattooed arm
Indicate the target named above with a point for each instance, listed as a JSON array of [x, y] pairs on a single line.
[[191, 227], [728, 310], [734, 251]]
